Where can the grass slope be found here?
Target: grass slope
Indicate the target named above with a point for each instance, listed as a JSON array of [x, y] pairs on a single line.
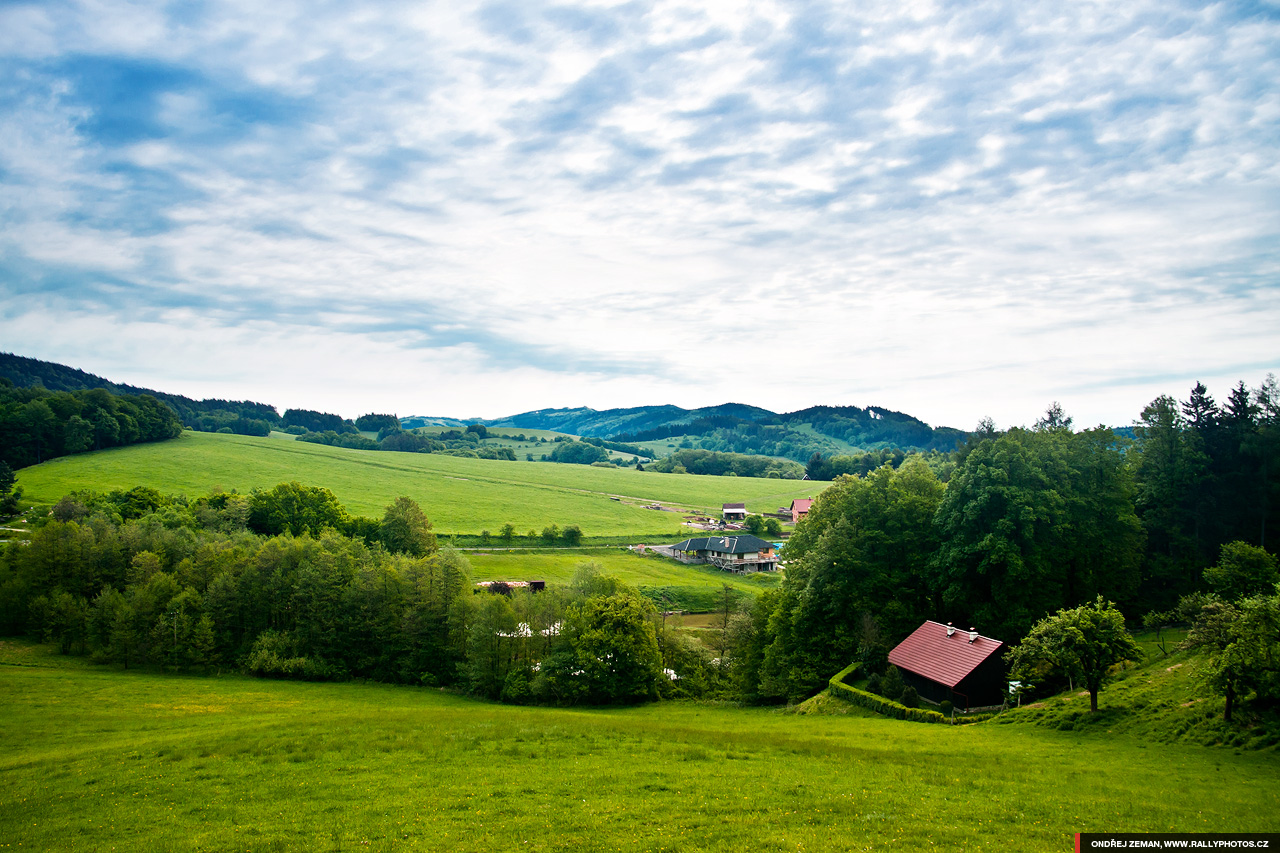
[[94, 759], [669, 584], [461, 496], [1163, 698]]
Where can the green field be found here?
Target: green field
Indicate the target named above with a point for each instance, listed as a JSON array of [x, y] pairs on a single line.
[[675, 585], [463, 496], [96, 759]]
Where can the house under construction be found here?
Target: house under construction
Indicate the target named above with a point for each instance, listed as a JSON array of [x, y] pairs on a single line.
[[743, 553]]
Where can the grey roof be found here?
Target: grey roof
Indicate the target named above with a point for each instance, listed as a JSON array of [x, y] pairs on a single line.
[[745, 544]]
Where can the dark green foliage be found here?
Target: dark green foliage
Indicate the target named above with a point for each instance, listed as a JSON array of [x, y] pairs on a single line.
[[377, 423], [37, 424], [891, 685], [864, 548], [578, 453], [879, 704], [295, 509], [316, 421], [242, 417], [708, 462], [350, 440], [1033, 521], [572, 535]]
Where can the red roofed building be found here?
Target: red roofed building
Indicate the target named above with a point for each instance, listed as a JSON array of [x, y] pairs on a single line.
[[942, 662], [800, 508]]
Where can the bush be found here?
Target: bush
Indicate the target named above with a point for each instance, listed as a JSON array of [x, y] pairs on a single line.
[[878, 704], [892, 686], [910, 697]]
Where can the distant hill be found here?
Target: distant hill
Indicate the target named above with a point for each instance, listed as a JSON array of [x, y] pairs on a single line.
[[737, 428], [727, 427]]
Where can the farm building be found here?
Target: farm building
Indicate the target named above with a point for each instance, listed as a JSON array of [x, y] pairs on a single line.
[[800, 508], [941, 662], [734, 512], [733, 553]]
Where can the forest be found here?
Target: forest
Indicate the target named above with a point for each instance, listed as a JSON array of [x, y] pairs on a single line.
[[37, 424]]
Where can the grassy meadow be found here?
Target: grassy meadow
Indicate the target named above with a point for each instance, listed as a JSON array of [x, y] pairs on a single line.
[[101, 759], [462, 496], [678, 586]]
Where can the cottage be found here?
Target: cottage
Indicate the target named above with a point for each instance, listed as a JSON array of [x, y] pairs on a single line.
[[800, 508], [734, 512], [731, 553], [941, 662]]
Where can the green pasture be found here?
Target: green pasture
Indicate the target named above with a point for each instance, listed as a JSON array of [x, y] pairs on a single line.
[[669, 584], [98, 759], [463, 496]]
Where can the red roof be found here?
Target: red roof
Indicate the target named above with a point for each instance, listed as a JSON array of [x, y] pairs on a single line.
[[946, 660], [802, 504]]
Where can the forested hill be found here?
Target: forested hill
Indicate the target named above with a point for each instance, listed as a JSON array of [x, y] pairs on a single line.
[[728, 427], [733, 427], [30, 373]]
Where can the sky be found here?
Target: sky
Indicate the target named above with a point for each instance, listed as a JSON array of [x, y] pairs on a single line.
[[954, 210]]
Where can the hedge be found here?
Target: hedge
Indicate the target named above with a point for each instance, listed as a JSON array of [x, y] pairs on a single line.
[[879, 704]]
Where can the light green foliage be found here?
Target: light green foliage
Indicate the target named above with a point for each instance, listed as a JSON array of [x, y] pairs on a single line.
[[458, 495], [1084, 643], [406, 530], [1242, 570], [1242, 643]]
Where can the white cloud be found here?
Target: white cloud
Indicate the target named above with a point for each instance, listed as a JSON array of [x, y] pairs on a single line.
[[456, 209]]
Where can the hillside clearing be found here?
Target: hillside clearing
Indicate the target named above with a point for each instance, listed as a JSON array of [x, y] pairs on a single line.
[[460, 496]]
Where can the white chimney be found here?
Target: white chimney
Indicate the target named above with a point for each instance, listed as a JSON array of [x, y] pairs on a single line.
[[951, 629], [973, 634]]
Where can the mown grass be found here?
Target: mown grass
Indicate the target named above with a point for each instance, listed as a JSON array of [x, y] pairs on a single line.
[[98, 760], [669, 584], [463, 496]]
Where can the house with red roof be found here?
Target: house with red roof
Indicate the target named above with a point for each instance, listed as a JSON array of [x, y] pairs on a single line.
[[944, 663], [800, 508]]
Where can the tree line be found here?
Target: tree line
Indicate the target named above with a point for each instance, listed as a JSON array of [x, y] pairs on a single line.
[[1032, 521], [37, 424], [284, 583]]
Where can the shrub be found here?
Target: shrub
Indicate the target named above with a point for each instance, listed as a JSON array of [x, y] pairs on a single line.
[[910, 697], [891, 685]]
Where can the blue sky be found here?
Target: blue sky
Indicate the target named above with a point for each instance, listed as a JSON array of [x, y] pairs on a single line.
[[955, 210]]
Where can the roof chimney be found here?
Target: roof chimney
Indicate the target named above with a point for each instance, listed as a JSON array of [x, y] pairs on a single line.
[[973, 634], [951, 629]]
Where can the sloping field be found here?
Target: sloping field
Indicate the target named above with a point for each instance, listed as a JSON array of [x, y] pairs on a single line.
[[461, 496], [670, 585], [94, 759]]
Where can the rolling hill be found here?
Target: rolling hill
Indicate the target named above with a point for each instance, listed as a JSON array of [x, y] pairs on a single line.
[[460, 496]]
